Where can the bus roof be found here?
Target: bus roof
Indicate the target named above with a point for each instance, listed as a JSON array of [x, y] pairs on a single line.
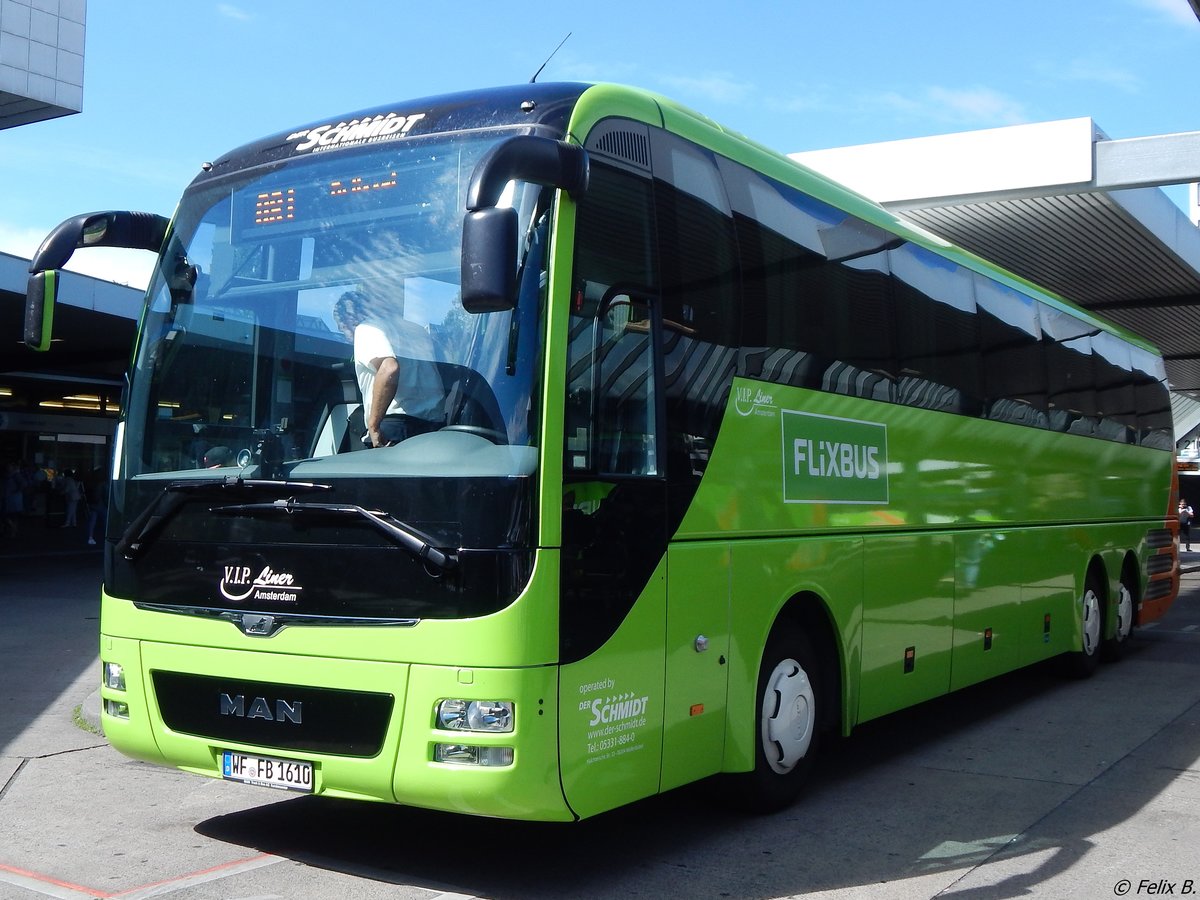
[[542, 108]]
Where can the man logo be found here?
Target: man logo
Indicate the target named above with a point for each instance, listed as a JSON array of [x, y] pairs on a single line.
[[260, 625], [261, 708]]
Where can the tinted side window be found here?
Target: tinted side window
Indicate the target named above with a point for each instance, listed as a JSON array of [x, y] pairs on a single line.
[[1113, 361], [1071, 380], [1152, 400], [1013, 364], [610, 413], [937, 332], [817, 302], [699, 257], [831, 302], [700, 300]]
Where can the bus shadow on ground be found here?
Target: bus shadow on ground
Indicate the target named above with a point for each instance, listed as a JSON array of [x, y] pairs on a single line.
[[943, 786]]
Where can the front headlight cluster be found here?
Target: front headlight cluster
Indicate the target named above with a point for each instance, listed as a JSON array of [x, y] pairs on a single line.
[[480, 716], [114, 679], [475, 715]]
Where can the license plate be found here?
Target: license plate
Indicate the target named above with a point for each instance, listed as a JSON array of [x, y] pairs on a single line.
[[265, 771]]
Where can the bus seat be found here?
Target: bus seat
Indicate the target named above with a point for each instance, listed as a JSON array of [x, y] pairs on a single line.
[[1019, 412], [340, 425], [778, 366], [849, 380], [925, 394]]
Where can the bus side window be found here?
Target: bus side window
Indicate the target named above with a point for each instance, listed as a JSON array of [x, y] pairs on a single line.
[[625, 411], [701, 304], [610, 416]]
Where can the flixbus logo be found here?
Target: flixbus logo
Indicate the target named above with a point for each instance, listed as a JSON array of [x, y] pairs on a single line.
[[832, 460]]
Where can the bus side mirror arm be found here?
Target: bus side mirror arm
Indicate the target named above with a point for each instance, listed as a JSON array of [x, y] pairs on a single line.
[[133, 230], [489, 247]]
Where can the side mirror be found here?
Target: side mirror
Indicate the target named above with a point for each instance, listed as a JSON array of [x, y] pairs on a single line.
[[489, 251], [489, 259], [40, 295], [134, 230]]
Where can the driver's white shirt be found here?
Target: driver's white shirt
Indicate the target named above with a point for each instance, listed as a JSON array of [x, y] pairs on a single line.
[[419, 391]]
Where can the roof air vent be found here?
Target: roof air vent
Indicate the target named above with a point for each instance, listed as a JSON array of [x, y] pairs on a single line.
[[620, 140]]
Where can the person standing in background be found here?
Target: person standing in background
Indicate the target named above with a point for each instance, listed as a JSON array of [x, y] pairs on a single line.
[[12, 498], [1185, 524], [96, 492], [71, 493]]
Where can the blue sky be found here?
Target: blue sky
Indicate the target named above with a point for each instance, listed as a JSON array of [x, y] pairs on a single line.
[[169, 85]]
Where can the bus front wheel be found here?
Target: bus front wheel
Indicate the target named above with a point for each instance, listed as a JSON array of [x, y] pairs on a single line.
[[788, 723]]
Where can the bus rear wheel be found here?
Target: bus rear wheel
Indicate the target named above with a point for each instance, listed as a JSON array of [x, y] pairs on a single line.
[[788, 723], [1083, 661], [1114, 646]]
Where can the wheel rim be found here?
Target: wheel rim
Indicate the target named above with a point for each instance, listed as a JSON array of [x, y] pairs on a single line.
[[1091, 622], [1124, 613], [789, 708]]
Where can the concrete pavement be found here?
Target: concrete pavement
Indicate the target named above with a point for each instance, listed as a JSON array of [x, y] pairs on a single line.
[[1026, 786]]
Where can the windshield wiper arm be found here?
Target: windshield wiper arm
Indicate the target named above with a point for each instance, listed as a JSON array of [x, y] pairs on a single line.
[[145, 528], [418, 544]]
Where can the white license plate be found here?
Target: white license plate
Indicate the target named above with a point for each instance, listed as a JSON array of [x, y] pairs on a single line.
[[267, 771]]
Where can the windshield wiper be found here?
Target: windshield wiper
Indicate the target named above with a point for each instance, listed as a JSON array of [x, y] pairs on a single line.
[[418, 544], [145, 528]]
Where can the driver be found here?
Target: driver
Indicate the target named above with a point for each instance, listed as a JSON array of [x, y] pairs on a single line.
[[394, 364]]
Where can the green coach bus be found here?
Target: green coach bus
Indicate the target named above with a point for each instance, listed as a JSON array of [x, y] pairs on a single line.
[[713, 460]]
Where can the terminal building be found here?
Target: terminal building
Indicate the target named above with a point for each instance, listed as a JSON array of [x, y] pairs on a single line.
[[41, 59], [1060, 203], [59, 407]]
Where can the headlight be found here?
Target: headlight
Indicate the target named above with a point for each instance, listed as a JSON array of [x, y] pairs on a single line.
[[475, 715], [114, 676]]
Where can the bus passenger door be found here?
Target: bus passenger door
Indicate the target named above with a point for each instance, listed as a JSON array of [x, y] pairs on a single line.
[[613, 567], [697, 654]]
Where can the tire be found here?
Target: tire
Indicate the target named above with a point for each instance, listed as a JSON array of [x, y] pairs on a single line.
[[1123, 613], [1083, 662], [788, 723]]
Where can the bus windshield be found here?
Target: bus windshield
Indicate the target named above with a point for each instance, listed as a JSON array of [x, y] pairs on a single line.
[[246, 368]]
